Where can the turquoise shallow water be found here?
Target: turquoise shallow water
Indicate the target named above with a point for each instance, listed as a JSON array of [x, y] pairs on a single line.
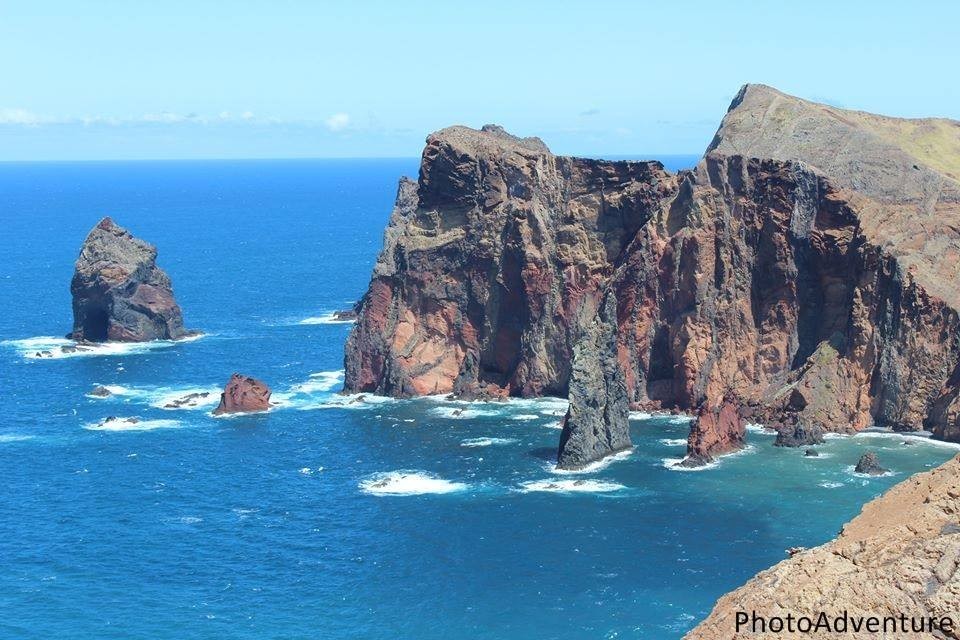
[[382, 519]]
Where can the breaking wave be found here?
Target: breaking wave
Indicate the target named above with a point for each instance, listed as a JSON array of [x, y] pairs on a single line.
[[52, 348], [168, 398], [671, 463], [408, 483], [570, 486], [131, 424], [593, 466], [327, 318], [486, 442]]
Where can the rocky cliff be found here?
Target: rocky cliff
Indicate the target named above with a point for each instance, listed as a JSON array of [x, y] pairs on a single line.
[[901, 555], [118, 291], [803, 274]]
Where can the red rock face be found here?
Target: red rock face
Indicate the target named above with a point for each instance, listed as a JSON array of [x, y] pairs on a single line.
[[760, 286], [719, 429], [489, 261], [243, 395]]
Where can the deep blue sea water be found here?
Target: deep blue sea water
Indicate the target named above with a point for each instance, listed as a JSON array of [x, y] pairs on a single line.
[[323, 519]]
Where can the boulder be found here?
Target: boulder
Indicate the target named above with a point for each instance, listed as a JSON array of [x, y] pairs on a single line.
[[243, 394], [870, 465]]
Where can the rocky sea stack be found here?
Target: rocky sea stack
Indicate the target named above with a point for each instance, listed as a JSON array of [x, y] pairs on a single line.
[[804, 273], [118, 291], [243, 394]]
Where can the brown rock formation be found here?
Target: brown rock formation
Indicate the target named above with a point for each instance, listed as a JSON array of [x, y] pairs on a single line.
[[243, 395], [119, 293], [807, 268], [488, 261], [717, 430], [901, 555]]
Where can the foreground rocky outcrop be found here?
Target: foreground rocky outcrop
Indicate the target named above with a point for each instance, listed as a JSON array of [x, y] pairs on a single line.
[[243, 394], [901, 555], [805, 274], [118, 291]]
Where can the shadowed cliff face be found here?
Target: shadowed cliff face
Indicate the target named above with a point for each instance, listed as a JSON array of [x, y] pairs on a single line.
[[805, 273]]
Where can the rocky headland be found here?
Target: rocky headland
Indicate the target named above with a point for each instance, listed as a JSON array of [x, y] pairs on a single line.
[[118, 291], [803, 275], [900, 556]]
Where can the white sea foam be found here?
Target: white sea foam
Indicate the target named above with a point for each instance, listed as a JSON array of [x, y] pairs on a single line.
[[673, 442], [169, 398], [831, 485], [852, 470], [327, 318], [640, 415], [462, 413], [570, 486], [486, 442], [357, 401], [408, 483], [593, 466], [15, 437], [525, 416], [902, 438], [53, 348], [759, 429], [131, 424], [671, 463]]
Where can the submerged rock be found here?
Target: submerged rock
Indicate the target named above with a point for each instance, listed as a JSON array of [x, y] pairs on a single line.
[[810, 453], [100, 391], [118, 291], [243, 394], [345, 315], [870, 465], [189, 400]]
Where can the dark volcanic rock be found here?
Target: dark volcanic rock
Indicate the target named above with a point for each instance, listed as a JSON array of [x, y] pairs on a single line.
[[870, 465], [597, 420], [243, 395], [119, 293], [100, 391], [798, 435], [811, 453], [345, 315], [805, 269], [716, 430]]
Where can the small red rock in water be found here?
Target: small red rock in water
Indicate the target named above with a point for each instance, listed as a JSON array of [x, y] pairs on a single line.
[[243, 394]]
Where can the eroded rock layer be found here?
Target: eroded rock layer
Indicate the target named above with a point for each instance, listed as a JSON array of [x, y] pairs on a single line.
[[118, 291], [805, 273]]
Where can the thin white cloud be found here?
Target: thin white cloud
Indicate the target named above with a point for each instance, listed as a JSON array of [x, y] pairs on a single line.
[[21, 117], [337, 122]]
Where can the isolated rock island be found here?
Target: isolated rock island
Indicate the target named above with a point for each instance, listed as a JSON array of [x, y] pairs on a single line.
[[118, 291], [803, 275], [243, 394]]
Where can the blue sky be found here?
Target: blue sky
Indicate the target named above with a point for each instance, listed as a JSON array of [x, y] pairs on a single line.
[[204, 79]]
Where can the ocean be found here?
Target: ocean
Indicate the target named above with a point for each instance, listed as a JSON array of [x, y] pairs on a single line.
[[328, 517]]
